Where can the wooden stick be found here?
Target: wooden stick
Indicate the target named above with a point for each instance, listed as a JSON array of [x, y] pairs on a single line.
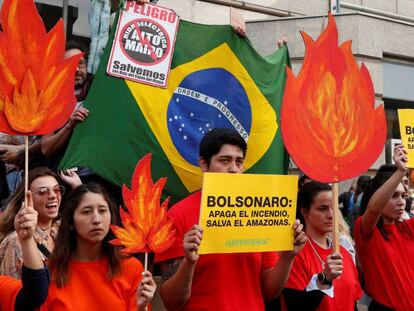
[[146, 262], [26, 168], [335, 209]]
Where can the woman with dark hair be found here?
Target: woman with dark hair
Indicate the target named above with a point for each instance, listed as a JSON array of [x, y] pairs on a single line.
[[47, 195], [384, 243], [31, 292], [320, 279], [84, 265]]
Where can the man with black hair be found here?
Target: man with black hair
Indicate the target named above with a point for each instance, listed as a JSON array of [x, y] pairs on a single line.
[[54, 145], [83, 79], [219, 281]]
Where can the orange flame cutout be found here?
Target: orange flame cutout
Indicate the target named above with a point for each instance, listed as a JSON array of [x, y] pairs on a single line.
[[146, 226], [330, 125], [36, 83]]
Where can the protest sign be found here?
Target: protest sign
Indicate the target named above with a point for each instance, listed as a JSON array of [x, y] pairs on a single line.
[[326, 109], [146, 227], [144, 44], [37, 85], [243, 213], [325, 112], [406, 119]]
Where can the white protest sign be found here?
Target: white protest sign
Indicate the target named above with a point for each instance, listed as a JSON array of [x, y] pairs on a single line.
[[144, 44]]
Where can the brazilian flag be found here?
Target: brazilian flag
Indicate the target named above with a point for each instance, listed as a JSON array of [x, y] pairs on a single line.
[[217, 79]]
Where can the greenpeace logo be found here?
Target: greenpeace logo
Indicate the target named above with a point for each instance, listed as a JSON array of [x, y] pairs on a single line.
[[245, 242]]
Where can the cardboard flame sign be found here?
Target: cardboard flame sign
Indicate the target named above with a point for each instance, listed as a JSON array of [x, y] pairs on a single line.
[[330, 125], [36, 82], [146, 227]]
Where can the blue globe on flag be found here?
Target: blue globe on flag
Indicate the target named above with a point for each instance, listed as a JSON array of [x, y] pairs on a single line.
[[204, 100]]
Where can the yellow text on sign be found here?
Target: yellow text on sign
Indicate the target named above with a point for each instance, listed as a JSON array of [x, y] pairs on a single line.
[[406, 119], [243, 213]]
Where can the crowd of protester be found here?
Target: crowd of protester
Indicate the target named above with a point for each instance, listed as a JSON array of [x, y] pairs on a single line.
[[39, 238], [55, 255]]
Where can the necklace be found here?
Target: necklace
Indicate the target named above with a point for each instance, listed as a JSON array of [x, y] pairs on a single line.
[[45, 229], [315, 251]]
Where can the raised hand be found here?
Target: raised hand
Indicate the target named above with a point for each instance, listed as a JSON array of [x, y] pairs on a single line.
[[400, 158], [70, 177], [25, 222], [79, 115]]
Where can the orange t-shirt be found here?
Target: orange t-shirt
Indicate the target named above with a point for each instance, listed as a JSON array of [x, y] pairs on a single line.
[[89, 289], [9, 288]]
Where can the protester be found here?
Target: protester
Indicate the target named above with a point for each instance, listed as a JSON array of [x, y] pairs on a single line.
[[47, 195], [409, 206], [384, 244], [408, 199], [219, 281], [86, 267], [54, 145], [320, 279], [347, 200], [32, 291], [362, 183]]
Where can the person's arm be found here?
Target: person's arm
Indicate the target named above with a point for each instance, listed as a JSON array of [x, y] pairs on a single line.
[[237, 22], [53, 143], [381, 197], [274, 279], [25, 224], [70, 177], [10, 153], [34, 291], [146, 291], [311, 297], [14, 154], [35, 277], [178, 273]]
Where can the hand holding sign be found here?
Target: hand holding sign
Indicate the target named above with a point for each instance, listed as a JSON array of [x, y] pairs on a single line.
[[25, 222], [299, 237], [146, 290], [334, 266], [191, 243], [405, 118], [400, 158]]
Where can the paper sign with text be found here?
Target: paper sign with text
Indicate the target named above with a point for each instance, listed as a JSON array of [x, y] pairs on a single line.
[[406, 119], [143, 44], [243, 213]]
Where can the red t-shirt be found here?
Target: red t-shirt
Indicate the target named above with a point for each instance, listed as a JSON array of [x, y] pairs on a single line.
[[387, 265], [346, 288], [221, 281], [9, 288], [89, 289]]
